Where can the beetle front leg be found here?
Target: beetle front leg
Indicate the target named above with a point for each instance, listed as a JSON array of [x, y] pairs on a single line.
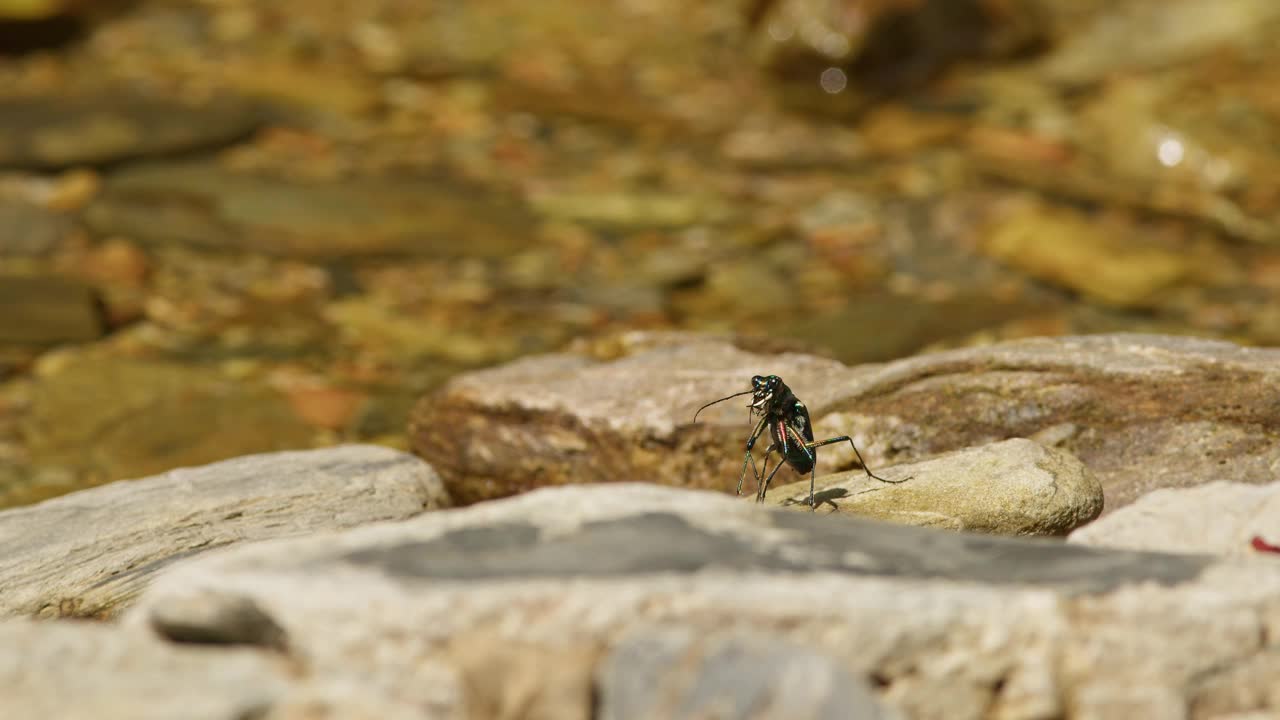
[[747, 459], [764, 486]]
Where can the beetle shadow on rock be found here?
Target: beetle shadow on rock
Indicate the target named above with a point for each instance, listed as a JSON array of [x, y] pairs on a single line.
[[827, 497]]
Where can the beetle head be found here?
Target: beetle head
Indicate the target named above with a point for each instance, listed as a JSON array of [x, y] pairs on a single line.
[[763, 388]]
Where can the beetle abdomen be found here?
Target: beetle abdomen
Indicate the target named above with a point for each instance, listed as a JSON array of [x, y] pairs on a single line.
[[790, 445]]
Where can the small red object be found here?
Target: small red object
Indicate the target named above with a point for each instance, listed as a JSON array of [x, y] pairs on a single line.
[[1263, 546]]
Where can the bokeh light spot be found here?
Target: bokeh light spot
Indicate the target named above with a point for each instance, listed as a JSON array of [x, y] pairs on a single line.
[[833, 80]]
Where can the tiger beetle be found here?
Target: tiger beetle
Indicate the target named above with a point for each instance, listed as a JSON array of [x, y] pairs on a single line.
[[788, 421]]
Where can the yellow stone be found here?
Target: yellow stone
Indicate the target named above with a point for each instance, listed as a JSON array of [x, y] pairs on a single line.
[[1100, 260]]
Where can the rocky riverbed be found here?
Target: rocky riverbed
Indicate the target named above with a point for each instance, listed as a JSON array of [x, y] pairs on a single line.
[[350, 352], [339, 583], [231, 228]]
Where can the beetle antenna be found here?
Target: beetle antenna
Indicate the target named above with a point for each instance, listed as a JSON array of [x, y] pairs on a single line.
[[713, 402]]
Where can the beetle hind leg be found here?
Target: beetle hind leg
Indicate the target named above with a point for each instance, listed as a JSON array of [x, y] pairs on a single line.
[[867, 470]]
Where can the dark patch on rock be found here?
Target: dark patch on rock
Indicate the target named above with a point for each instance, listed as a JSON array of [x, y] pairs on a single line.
[[648, 543], [218, 620], [667, 543], [678, 675], [492, 537], [898, 550]]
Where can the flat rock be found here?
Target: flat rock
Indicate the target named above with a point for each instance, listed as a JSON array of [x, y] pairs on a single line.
[[108, 417], [1013, 487], [83, 671], [52, 132], [90, 553], [1140, 411], [1220, 518], [1066, 247], [545, 605], [98, 671], [45, 310], [559, 419], [205, 206]]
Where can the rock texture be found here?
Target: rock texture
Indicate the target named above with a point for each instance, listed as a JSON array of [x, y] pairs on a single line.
[[1220, 518], [91, 552], [91, 671], [82, 671], [560, 419], [735, 675], [555, 602], [1142, 412], [1014, 487]]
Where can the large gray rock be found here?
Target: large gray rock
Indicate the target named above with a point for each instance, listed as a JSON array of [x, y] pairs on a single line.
[[1220, 518], [91, 552], [85, 671], [532, 602], [95, 671], [1141, 411], [1014, 487]]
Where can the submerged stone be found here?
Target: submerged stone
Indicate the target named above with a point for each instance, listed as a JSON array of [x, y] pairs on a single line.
[[208, 207], [61, 131]]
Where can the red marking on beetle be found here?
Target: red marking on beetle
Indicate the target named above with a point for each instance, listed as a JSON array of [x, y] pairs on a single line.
[[1263, 546], [782, 435]]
